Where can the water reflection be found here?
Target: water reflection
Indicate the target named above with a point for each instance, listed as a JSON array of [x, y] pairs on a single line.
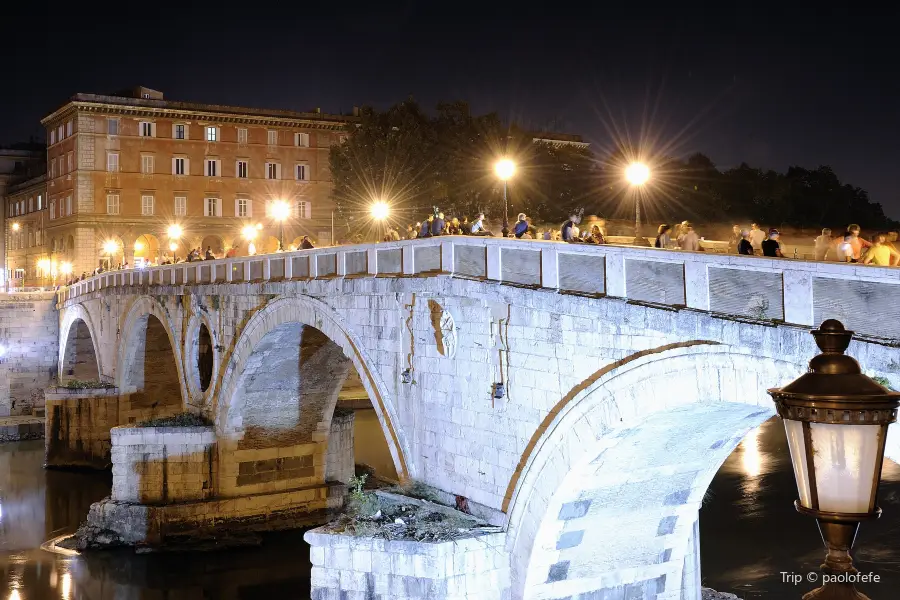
[[39, 505], [750, 531]]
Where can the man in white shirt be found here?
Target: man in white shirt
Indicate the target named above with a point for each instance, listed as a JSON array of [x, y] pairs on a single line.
[[689, 240], [757, 237], [844, 250]]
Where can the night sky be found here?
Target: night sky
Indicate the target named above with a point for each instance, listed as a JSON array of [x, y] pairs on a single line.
[[772, 89]]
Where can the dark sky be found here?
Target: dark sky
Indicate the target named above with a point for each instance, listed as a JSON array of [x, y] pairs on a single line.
[[770, 88]]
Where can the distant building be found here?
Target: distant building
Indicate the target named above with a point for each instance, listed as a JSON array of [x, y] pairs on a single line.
[[559, 139], [123, 168], [18, 163]]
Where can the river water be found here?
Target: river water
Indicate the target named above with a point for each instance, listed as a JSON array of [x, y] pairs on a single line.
[[749, 534]]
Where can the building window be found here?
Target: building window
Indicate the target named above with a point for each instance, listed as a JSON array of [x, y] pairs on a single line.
[[59, 133], [147, 164], [180, 206], [62, 165], [273, 137], [241, 169], [302, 172], [146, 205], [212, 207], [145, 96], [147, 129], [212, 167], [52, 136], [69, 127], [70, 159], [31, 204], [304, 209], [40, 201], [179, 165], [178, 133], [242, 135], [112, 162], [69, 205], [112, 204], [53, 209], [112, 127], [301, 139], [243, 207], [212, 134], [52, 168], [272, 170]]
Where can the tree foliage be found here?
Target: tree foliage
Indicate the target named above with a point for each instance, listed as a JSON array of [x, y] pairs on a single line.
[[415, 160]]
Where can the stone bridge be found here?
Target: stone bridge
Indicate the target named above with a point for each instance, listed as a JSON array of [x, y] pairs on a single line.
[[581, 397]]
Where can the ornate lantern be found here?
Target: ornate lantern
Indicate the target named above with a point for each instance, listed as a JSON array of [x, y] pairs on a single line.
[[836, 420]]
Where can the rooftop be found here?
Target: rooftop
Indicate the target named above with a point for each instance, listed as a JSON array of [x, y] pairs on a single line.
[[148, 99]]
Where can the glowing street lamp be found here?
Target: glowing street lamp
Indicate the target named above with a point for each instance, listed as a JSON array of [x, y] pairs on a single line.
[[175, 231], [249, 233], [637, 174], [16, 226], [380, 210], [66, 268], [836, 420], [505, 168], [280, 211]]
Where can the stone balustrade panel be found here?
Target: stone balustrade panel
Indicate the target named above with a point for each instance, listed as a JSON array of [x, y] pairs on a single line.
[[755, 294], [390, 261], [585, 273], [470, 261], [653, 281], [520, 266], [357, 263]]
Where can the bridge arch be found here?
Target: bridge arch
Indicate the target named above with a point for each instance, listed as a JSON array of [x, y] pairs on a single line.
[[79, 355], [635, 446], [149, 363], [286, 317], [200, 378]]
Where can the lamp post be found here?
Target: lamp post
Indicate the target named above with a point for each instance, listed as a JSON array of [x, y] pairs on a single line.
[[505, 168], [174, 231], [836, 420], [380, 211], [110, 247], [280, 212], [637, 174], [249, 233]]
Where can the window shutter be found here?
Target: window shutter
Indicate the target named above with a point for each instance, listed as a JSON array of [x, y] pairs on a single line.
[[187, 166], [296, 139], [249, 207], [278, 171], [174, 169], [218, 207], [186, 134], [206, 207], [218, 168], [237, 211], [307, 209]]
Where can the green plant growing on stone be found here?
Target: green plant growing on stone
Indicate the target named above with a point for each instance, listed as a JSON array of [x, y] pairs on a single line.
[[89, 384], [883, 381], [360, 504], [179, 420]]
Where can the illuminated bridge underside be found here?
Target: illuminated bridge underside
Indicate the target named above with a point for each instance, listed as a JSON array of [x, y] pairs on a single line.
[[629, 374]]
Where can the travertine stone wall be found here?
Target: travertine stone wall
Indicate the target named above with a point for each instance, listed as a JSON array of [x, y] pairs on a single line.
[[339, 463], [29, 345], [357, 568], [77, 427], [162, 465]]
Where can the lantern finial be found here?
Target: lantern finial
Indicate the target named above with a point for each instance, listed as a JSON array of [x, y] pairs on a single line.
[[832, 337]]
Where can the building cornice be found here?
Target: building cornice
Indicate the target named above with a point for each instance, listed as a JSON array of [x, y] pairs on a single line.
[[28, 185], [135, 107]]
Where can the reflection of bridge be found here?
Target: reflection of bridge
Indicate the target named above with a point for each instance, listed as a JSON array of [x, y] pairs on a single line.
[[629, 374]]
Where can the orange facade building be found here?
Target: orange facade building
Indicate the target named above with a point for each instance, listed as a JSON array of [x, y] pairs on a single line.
[[122, 170]]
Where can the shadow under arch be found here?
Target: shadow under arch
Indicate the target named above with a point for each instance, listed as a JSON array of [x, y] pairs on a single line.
[[78, 349], [280, 314], [149, 365], [636, 446]]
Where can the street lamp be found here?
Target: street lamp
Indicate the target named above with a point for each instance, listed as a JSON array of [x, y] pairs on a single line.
[[836, 420], [44, 267], [110, 247], [380, 210], [280, 212], [637, 174], [505, 169], [249, 233], [66, 269], [16, 226]]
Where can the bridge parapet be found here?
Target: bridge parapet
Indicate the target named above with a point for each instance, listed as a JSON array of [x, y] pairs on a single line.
[[768, 289]]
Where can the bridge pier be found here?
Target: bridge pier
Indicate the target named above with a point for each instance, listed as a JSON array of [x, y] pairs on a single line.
[[78, 425]]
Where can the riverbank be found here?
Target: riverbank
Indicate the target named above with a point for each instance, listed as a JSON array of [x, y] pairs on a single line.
[[21, 428]]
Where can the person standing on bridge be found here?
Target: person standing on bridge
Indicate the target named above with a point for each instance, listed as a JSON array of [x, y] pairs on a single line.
[[772, 247], [437, 224], [663, 239], [757, 237], [823, 244], [689, 240], [744, 246], [568, 231], [881, 254], [856, 242], [306, 244]]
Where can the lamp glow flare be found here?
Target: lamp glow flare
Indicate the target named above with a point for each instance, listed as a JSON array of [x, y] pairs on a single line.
[[380, 211], [505, 169], [637, 173]]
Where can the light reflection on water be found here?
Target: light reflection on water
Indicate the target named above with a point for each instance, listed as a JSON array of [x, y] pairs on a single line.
[[750, 532]]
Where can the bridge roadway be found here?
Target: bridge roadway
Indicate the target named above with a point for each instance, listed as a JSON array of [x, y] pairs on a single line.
[[630, 374]]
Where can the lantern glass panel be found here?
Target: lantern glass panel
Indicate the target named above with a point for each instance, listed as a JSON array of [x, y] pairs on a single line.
[[797, 446], [845, 459]]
